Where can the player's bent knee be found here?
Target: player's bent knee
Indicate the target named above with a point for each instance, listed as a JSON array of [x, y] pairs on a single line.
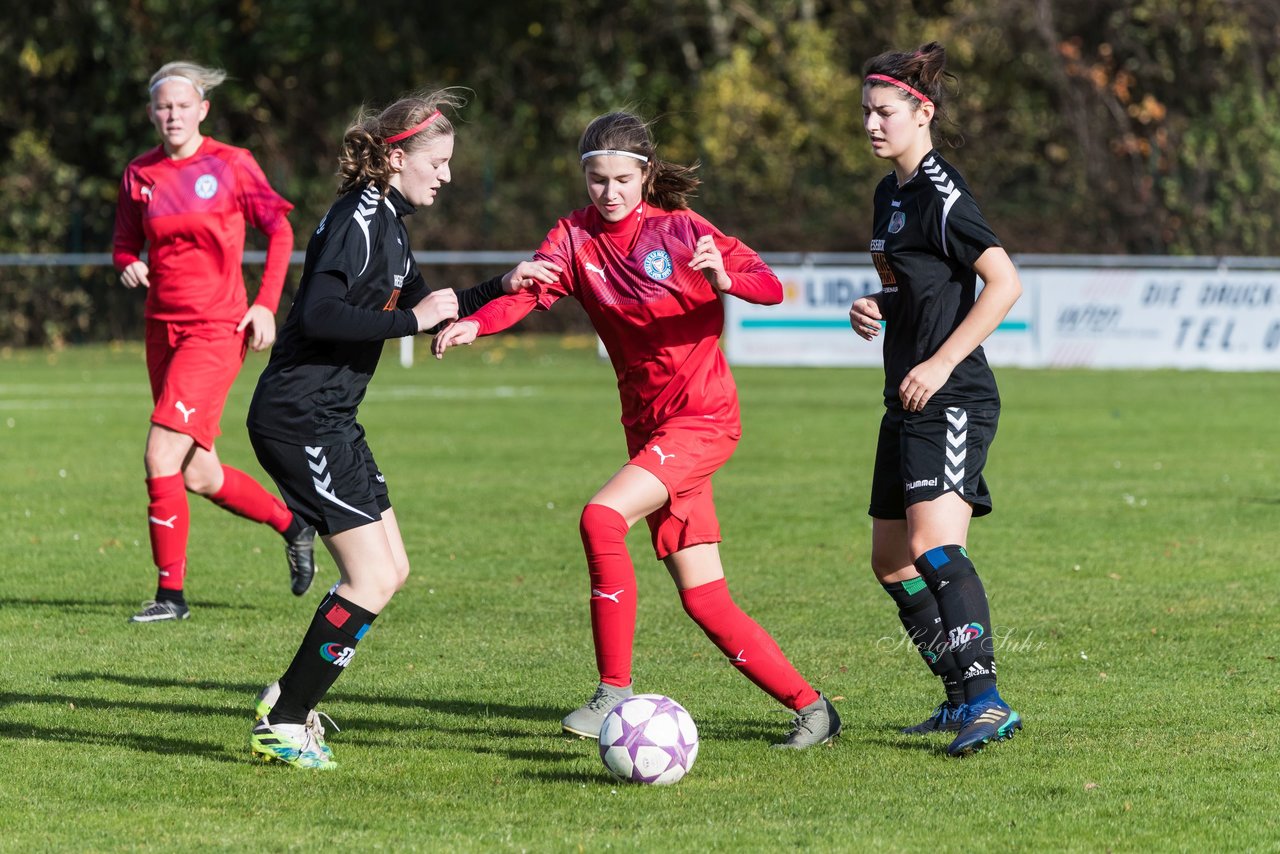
[[882, 565], [199, 484], [885, 565], [600, 524], [402, 574], [159, 463]]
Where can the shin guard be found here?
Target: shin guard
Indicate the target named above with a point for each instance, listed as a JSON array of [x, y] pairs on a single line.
[[613, 592], [747, 646]]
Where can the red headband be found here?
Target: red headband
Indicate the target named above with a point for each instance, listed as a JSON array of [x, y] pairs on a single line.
[[885, 78], [405, 134]]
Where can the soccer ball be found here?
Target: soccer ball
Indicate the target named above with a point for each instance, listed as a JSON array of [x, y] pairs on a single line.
[[648, 738]]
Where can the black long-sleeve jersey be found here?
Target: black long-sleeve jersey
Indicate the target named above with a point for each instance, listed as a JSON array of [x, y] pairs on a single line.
[[358, 285], [927, 234]]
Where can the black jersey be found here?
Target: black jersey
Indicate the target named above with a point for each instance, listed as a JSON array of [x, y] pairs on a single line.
[[927, 235], [358, 284]]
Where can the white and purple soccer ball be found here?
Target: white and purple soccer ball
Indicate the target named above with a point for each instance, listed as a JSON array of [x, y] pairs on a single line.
[[648, 738]]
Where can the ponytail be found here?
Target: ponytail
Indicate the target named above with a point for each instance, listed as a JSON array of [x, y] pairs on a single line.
[[916, 74], [409, 124]]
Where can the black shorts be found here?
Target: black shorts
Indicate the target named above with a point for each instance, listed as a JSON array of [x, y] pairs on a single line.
[[333, 487], [922, 455]]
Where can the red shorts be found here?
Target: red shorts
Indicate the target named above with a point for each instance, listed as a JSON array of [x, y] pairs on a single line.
[[192, 367], [683, 453]]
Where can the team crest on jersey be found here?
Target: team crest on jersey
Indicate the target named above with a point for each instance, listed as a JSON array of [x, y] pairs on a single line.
[[206, 186], [657, 264], [897, 221]]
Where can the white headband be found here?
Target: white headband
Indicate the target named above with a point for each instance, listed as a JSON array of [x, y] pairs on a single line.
[[193, 84], [605, 152]]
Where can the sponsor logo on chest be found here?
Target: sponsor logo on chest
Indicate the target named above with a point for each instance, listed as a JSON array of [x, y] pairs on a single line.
[[206, 186], [657, 265]]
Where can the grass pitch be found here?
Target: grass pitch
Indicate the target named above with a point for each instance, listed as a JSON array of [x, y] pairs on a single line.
[[1131, 565]]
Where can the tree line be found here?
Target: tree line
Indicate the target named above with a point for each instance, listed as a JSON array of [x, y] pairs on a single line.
[[1094, 126]]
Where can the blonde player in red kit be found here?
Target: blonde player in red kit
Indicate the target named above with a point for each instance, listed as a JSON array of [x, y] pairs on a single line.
[[188, 200], [651, 275]]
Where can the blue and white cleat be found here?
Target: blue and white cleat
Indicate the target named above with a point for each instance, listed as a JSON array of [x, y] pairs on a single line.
[[948, 717], [988, 718]]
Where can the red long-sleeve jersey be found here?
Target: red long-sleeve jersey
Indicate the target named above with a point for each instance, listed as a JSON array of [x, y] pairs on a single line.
[[660, 321], [192, 213]]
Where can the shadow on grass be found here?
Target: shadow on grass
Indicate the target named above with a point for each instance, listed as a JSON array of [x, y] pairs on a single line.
[[530, 755], [251, 688], [89, 704], [586, 778], [469, 709], [126, 607], [130, 741], [912, 743], [472, 721]]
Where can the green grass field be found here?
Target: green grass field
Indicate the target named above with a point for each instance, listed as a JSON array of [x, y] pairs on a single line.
[[1131, 565]]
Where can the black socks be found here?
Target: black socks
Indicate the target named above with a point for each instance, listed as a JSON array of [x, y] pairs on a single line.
[[918, 610], [327, 649], [966, 617], [164, 594]]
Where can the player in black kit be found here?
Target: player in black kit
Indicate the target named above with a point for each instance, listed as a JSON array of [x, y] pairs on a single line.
[[930, 243], [360, 286]]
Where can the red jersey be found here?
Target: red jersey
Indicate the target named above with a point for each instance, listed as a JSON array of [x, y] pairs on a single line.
[[659, 320], [193, 212]]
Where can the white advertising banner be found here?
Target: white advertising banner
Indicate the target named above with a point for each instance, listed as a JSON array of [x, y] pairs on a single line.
[[1154, 318], [811, 326], [1067, 317]]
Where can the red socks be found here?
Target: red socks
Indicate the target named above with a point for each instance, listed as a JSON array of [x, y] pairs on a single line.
[[169, 520], [613, 616], [613, 592], [245, 497], [746, 644]]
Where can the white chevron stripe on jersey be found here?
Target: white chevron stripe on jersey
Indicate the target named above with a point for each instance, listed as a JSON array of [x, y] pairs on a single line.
[[941, 180], [322, 486], [943, 184], [957, 436], [365, 209]]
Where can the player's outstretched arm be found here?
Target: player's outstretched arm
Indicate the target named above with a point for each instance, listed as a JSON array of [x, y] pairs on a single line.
[[455, 334], [519, 298], [439, 306], [526, 274]]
